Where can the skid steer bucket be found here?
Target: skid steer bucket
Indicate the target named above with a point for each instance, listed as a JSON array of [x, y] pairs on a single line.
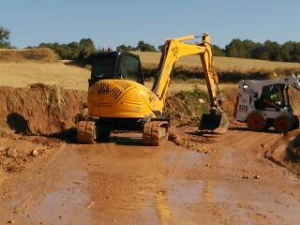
[[218, 123]]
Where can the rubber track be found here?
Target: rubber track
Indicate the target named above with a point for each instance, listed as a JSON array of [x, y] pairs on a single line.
[[85, 132]]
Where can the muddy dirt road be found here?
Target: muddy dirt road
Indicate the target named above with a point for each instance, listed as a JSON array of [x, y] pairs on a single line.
[[121, 182]]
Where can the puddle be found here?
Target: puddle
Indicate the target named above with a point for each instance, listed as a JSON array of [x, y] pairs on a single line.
[[67, 205]]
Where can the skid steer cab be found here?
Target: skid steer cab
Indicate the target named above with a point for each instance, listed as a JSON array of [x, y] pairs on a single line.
[[263, 104]]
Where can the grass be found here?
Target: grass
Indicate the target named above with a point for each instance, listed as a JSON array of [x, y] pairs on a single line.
[[187, 105], [5, 130], [25, 73], [45, 55], [223, 65]]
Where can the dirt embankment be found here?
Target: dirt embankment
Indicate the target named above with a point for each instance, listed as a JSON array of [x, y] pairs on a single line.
[[40, 109], [28, 117]]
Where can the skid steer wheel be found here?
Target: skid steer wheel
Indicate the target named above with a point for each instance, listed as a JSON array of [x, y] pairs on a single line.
[[283, 123], [256, 121]]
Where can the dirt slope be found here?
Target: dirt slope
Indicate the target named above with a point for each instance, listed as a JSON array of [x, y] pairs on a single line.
[[40, 109]]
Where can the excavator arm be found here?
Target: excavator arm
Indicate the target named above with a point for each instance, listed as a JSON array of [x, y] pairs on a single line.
[[174, 49]]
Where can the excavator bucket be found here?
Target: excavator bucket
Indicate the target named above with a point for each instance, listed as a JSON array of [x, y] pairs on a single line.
[[218, 123]]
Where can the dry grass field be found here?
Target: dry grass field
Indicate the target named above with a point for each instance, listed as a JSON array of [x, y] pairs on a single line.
[[25, 73], [23, 55], [25, 67], [223, 64]]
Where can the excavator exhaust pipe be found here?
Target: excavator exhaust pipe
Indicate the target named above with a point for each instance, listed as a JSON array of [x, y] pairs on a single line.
[[216, 122]]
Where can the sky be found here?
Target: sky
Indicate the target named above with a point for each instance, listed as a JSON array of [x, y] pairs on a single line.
[[116, 22]]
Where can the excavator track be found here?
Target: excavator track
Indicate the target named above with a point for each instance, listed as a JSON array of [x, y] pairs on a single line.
[[155, 132], [86, 132]]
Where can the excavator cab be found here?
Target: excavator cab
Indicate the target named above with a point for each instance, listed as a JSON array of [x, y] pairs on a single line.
[[115, 65]]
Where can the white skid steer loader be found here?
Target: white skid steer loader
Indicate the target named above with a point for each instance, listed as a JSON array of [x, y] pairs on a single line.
[[266, 103]]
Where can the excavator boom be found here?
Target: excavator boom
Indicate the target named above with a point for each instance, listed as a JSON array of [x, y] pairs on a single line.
[[175, 49]]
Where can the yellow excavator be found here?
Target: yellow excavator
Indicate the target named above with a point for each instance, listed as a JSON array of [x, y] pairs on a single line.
[[119, 100]]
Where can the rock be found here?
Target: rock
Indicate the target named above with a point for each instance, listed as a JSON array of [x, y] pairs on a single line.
[[12, 152], [256, 177], [201, 101], [35, 152]]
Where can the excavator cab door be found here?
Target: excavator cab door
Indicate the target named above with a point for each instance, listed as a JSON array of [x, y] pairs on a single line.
[[130, 68]]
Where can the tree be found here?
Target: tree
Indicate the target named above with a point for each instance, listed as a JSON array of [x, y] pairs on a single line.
[[73, 50], [290, 51], [237, 49], [145, 47], [125, 48], [86, 47], [249, 46], [218, 51], [4, 38]]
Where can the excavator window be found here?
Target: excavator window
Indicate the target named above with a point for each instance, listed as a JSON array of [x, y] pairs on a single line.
[[103, 68], [130, 69]]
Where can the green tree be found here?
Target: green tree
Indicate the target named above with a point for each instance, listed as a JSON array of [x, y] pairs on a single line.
[[73, 50], [290, 51], [237, 49], [145, 47], [249, 47], [4, 38], [86, 47], [125, 48], [273, 48], [217, 51], [261, 52]]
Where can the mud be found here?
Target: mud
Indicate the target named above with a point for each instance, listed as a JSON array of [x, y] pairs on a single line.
[[123, 182], [192, 178]]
